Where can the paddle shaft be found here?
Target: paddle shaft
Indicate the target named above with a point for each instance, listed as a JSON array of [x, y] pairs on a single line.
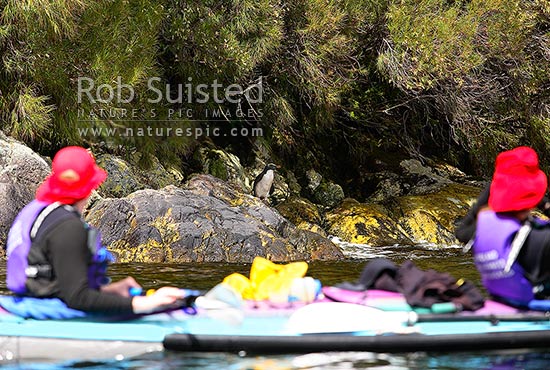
[[530, 317]]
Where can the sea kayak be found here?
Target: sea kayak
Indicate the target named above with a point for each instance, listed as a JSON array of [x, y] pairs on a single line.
[[373, 321]]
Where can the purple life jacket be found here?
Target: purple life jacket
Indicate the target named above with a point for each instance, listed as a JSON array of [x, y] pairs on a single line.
[[20, 242], [494, 236]]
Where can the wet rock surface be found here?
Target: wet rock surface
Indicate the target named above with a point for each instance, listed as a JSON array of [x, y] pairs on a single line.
[[21, 172], [206, 221], [152, 216]]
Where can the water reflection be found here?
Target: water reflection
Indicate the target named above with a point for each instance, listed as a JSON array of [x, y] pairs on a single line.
[[205, 275], [326, 361]]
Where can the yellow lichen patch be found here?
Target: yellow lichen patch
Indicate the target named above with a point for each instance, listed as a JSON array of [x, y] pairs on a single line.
[[133, 222], [421, 227], [363, 223], [266, 238], [199, 250], [167, 228], [299, 210], [430, 218], [153, 250], [122, 250], [95, 215], [312, 227], [356, 229], [236, 202]]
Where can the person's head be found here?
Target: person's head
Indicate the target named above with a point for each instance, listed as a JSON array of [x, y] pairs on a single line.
[[73, 178], [518, 183]]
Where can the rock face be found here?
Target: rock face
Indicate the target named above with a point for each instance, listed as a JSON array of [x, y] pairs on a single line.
[[225, 166], [405, 220], [429, 219], [21, 171], [325, 193], [328, 194], [207, 221], [302, 213], [124, 179], [364, 223], [121, 180]]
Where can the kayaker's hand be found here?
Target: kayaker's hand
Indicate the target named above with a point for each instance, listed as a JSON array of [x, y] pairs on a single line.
[[162, 299], [121, 287]]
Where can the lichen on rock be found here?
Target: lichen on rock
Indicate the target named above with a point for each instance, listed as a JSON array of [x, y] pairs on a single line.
[[207, 221], [364, 223], [429, 219]]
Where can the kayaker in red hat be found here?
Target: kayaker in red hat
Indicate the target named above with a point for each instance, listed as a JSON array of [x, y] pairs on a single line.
[[511, 246], [55, 256]]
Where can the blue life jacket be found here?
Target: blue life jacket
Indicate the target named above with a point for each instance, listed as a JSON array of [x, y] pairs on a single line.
[[20, 272], [492, 246]]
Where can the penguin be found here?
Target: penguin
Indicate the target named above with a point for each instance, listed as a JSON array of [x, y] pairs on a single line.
[[263, 184]]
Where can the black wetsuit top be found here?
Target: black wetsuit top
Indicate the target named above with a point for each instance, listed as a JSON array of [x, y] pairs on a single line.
[[63, 240]]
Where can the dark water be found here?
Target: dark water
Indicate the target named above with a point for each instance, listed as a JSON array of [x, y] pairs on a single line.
[[204, 276]]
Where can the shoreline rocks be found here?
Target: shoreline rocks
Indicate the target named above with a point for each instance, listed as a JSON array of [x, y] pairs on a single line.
[[21, 172], [206, 221], [152, 216]]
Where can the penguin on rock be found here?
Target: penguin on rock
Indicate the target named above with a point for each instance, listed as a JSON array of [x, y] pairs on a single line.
[[263, 184]]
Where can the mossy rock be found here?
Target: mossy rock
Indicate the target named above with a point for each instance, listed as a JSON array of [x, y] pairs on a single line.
[[298, 210], [302, 213], [365, 223], [157, 175], [430, 219], [21, 172], [125, 178], [122, 178], [225, 166], [328, 194]]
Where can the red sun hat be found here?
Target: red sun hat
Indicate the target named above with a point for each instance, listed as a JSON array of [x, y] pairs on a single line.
[[74, 176], [518, 182]]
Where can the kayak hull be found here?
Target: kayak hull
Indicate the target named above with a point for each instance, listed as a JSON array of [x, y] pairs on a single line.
[[41, 349]]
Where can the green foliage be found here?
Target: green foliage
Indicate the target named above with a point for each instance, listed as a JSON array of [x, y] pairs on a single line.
[[472, 65], [314, 68], [31, 117], [452, 78], [52, 19], [223, 39], [48, 45], [435, 41], [539, 135]]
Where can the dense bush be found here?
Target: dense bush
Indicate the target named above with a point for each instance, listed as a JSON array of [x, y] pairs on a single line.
[[458, 79], [480, 66]]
